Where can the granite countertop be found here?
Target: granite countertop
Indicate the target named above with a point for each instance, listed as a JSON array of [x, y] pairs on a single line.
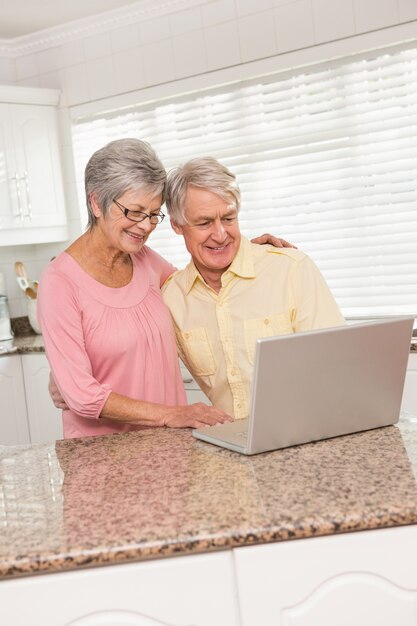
[[25, 340], [159, 493], [22, 345]]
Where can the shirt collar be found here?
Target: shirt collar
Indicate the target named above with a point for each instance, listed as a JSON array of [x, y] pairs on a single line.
[[242, 266]]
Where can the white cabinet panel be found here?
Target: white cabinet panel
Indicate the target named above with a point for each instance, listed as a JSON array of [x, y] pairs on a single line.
[[365, 578], [9, 201], [409, 402], [45, 420], [14, 427], [27, 412], [197, 590], [358, 594], [36, 144], [32, 208], [196, 395]]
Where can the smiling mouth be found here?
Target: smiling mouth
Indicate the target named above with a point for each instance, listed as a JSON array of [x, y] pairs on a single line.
[[218, 248], [138, 238]]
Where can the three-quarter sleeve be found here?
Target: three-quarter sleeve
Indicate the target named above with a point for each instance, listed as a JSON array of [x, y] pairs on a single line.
[[60, 317]]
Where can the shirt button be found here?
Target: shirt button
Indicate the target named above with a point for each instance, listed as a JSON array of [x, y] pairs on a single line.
[[187, 335], [266, 321]]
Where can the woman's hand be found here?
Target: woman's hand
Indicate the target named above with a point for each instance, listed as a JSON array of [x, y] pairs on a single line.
[[194, 416], [273, 241], [143, 413], [188, 416]]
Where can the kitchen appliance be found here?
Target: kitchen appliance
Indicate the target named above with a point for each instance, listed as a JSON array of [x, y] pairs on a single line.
[[5, 326]]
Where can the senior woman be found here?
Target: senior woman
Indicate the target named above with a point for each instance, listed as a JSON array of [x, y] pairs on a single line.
[[108, 335]]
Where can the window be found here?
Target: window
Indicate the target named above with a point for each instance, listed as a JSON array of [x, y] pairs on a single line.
[[325, 157]]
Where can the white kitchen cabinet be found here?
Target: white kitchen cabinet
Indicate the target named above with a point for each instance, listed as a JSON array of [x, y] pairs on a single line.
[[27, 413], [179, 591], [409, 402], [14, 427], [365, 578], [45, 420], [32, 208]]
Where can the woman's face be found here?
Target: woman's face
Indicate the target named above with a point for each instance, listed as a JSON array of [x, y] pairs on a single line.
[[121, 232]]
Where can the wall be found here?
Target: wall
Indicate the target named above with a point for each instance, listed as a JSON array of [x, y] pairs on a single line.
[[143, 50]]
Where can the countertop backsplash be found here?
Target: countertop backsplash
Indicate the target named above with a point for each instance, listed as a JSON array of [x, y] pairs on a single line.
[[21, 326]]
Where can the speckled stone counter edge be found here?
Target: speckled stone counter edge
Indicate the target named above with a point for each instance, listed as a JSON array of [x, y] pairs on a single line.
[[113, 555], [25, 340]]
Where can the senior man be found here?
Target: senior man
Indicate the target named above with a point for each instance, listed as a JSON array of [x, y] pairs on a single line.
[[233, 291]]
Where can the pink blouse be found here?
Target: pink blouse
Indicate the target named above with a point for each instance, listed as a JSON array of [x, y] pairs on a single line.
[[100, 339]]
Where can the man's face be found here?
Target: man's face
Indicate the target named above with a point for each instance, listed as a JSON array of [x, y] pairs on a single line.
[[211, 234]]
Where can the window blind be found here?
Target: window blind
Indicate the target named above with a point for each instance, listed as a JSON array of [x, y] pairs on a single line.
[[325, 157]]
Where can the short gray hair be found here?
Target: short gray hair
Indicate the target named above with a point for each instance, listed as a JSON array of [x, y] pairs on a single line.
[[119, 166], [205, 173]]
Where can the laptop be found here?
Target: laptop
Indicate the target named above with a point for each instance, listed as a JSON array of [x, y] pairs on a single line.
[[319, 384]]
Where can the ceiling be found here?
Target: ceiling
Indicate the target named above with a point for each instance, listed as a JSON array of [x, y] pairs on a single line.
[[22, 17]]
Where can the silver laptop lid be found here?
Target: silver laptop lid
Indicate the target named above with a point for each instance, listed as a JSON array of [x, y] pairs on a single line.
[[320, 384]]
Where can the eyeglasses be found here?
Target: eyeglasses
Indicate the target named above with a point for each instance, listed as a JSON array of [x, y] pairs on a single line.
[[139, 216]]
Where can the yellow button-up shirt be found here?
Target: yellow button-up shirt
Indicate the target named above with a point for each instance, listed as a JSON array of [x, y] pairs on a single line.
[[266, 291]]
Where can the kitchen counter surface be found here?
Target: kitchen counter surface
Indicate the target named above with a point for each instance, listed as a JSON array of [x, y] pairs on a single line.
[[23, 345], [25, 340], [160, 493]]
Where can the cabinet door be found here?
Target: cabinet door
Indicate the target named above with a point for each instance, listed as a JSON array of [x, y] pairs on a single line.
[[365, 578], [409, 402], [13, 415], [11, 212], [196, 590], [32, 208], [38, 161], [45, 420]]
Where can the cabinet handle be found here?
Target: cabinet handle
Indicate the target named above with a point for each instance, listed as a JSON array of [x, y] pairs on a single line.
[[16, 178], [187, 380], [27, 189]]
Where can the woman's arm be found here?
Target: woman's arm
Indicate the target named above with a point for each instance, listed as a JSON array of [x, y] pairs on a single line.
[[60, 316], [122, 408], [61, 321]]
